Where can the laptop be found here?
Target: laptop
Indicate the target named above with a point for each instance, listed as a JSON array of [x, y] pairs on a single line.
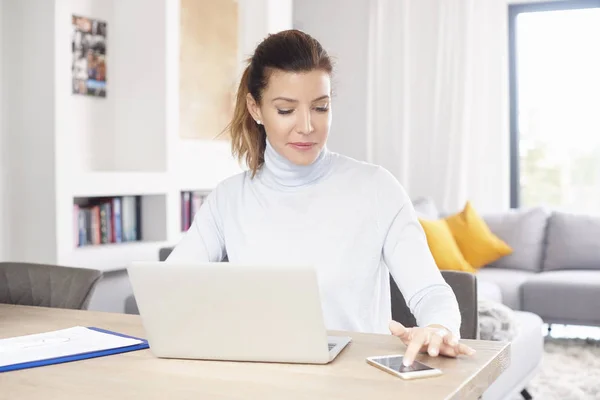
[[234, 312]]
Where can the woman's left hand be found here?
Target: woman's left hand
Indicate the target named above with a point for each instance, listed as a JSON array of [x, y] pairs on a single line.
[[433, 339]]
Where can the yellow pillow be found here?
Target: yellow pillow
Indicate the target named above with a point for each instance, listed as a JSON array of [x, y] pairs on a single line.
[[443, 247], [477, 243]]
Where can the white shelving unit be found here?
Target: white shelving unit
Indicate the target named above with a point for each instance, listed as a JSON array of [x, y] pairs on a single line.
[[106, 184], [128, 143], [144, 156]]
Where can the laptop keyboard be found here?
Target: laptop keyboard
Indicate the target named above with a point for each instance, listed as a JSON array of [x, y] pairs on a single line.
[[330, 345]]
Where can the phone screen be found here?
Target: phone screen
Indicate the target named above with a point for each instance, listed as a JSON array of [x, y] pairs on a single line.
[[395, 363]]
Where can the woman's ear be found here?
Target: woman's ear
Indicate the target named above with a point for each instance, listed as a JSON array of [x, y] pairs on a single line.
[[253, 108]]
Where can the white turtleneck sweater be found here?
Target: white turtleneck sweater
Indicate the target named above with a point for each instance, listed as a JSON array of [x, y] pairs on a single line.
[[351, 220]]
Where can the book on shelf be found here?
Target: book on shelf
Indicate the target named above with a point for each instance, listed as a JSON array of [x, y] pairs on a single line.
[[107, 220], [190, 204]]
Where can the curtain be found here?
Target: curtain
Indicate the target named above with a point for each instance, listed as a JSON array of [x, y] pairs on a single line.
[[437, 99]]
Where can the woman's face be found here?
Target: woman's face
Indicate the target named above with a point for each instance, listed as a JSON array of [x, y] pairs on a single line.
[[296, 112]]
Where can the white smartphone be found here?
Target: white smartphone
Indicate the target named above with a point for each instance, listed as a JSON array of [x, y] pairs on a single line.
[[393, 365]]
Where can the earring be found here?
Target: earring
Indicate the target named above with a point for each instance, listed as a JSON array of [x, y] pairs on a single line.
[[258, 121]]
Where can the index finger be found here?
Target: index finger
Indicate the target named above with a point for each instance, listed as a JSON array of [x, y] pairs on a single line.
[[413, 348]]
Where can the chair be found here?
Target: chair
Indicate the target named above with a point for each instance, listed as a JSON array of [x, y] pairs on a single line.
[[464, 286], [164, 252], [46, 285]]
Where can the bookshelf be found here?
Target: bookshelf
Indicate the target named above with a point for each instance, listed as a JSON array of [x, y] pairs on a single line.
[[118, 219], [191, 201]]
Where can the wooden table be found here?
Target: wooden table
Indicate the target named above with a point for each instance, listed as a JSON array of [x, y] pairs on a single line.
[[140, 375]]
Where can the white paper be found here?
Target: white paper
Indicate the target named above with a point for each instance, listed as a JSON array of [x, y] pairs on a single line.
[[65, 342]]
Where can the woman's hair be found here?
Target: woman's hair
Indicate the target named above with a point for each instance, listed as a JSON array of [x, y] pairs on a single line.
[[290, 51]]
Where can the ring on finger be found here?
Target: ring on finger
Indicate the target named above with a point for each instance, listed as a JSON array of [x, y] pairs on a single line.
[[441, 332]]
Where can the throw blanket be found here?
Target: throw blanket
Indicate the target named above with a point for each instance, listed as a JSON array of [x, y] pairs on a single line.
[[496, 321]]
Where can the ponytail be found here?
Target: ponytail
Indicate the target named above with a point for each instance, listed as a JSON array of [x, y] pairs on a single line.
[[248, 139]]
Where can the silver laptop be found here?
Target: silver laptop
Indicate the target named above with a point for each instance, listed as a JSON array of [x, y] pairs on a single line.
[[225, 311]]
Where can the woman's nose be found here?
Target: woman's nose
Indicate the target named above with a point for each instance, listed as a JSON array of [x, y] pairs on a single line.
[[304, 123]]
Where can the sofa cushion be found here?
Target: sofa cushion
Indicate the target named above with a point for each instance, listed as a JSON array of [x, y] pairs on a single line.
[[524, 231], [443, 247], [564, 296], [477, 243], [509, 281], [573, 242]]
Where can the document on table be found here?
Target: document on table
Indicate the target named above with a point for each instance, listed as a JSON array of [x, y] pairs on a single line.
[[61, 343]]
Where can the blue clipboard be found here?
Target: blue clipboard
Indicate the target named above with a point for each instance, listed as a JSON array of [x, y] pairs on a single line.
[[82, 356]]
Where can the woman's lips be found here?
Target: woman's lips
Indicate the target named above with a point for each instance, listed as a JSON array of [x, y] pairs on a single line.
[[302, 145]]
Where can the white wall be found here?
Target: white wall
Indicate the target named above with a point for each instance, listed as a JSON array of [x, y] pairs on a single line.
[[343, 30], [29, 113], [85, 124], [138, 84]]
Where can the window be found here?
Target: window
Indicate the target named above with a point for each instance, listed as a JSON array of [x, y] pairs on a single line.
[[554, 52]]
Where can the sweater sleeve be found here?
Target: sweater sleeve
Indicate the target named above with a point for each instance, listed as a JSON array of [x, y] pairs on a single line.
[[204, 240], [409, 260]]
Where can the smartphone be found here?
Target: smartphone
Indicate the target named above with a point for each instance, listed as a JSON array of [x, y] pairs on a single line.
[[393, 365]]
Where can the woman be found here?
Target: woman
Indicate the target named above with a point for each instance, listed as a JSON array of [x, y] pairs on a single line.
[[301, 203]]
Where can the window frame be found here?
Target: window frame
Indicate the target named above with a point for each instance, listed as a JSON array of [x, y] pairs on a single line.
[[513, 11]]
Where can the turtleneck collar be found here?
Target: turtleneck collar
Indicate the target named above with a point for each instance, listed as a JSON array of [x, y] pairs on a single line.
[[279, 171]]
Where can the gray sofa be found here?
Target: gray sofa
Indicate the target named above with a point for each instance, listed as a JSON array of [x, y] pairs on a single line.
[[554, 271]]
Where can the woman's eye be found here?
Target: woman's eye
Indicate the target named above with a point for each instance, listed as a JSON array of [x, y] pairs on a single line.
[[322, 109], [284, 112]]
